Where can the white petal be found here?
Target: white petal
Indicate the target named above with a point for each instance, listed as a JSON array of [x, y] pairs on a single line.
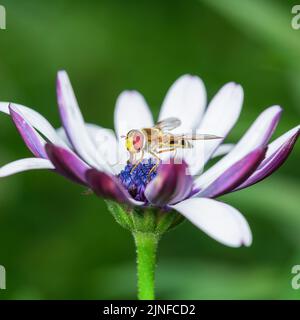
[[221, 115], [107, 145], [219, 118], [223, 149], [194, 157], [39, 122], [62, 134], [25, 165], [185, 100], [257, 135], [74, 125], [219, 220], [132, 112]]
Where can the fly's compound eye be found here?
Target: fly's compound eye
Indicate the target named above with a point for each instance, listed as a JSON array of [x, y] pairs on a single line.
[[137, 142]]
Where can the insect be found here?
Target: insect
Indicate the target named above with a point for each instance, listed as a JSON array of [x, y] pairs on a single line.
[[158, 139]]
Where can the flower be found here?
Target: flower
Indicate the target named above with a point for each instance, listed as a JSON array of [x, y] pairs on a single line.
[[87, 154]]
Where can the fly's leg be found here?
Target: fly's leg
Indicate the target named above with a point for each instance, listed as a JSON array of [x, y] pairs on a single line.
[[167, 150], [138, 162], [156, 165], [158, 158], [174, 147]]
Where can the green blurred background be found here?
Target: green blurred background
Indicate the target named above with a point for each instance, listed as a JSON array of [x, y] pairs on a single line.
[[56, 243]]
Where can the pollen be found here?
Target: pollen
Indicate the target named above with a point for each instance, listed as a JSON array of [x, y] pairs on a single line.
[[135, 182]]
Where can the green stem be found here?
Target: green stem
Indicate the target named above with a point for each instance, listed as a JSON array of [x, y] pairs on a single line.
[[146, 245]]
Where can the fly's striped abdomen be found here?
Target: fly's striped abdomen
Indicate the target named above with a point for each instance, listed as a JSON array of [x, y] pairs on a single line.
[[175, 141]]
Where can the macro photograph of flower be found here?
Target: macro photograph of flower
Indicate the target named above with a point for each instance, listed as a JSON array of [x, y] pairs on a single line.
[[149, 151]]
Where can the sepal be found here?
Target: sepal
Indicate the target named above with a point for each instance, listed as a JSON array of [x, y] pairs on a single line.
[[144, 219]]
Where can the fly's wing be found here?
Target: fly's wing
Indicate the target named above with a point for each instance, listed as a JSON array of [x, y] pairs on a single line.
[[198, 136], [168, 124]]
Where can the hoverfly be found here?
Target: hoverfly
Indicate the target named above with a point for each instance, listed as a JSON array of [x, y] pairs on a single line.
[[158, 139]]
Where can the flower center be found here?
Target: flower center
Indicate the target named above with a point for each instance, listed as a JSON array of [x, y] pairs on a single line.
[[136, 181]]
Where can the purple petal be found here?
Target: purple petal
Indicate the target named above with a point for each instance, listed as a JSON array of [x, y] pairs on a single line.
[[273, 160], [171, 185], [32, 139], [107, 186], [257, 136], [235, 175], [67, 163]]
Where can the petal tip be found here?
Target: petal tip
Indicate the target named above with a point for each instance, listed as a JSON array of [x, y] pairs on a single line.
[[129, 94], [62, 73], [276, 109], [13, 108], [61, 79]]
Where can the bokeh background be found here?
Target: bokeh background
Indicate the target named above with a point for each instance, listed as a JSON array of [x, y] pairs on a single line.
[[59, 244]]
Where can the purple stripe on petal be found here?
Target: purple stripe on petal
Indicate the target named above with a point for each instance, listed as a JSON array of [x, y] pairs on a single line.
[[107, 186], [272, 127], [32, 139], [235, 175], [271, 163], [256, 136], [171, 185], [67, 163]]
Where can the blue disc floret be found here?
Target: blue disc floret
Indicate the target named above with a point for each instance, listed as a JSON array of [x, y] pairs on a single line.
[[135, 181]]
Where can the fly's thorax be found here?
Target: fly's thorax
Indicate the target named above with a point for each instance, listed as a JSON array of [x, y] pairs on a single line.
[[152, 137]]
